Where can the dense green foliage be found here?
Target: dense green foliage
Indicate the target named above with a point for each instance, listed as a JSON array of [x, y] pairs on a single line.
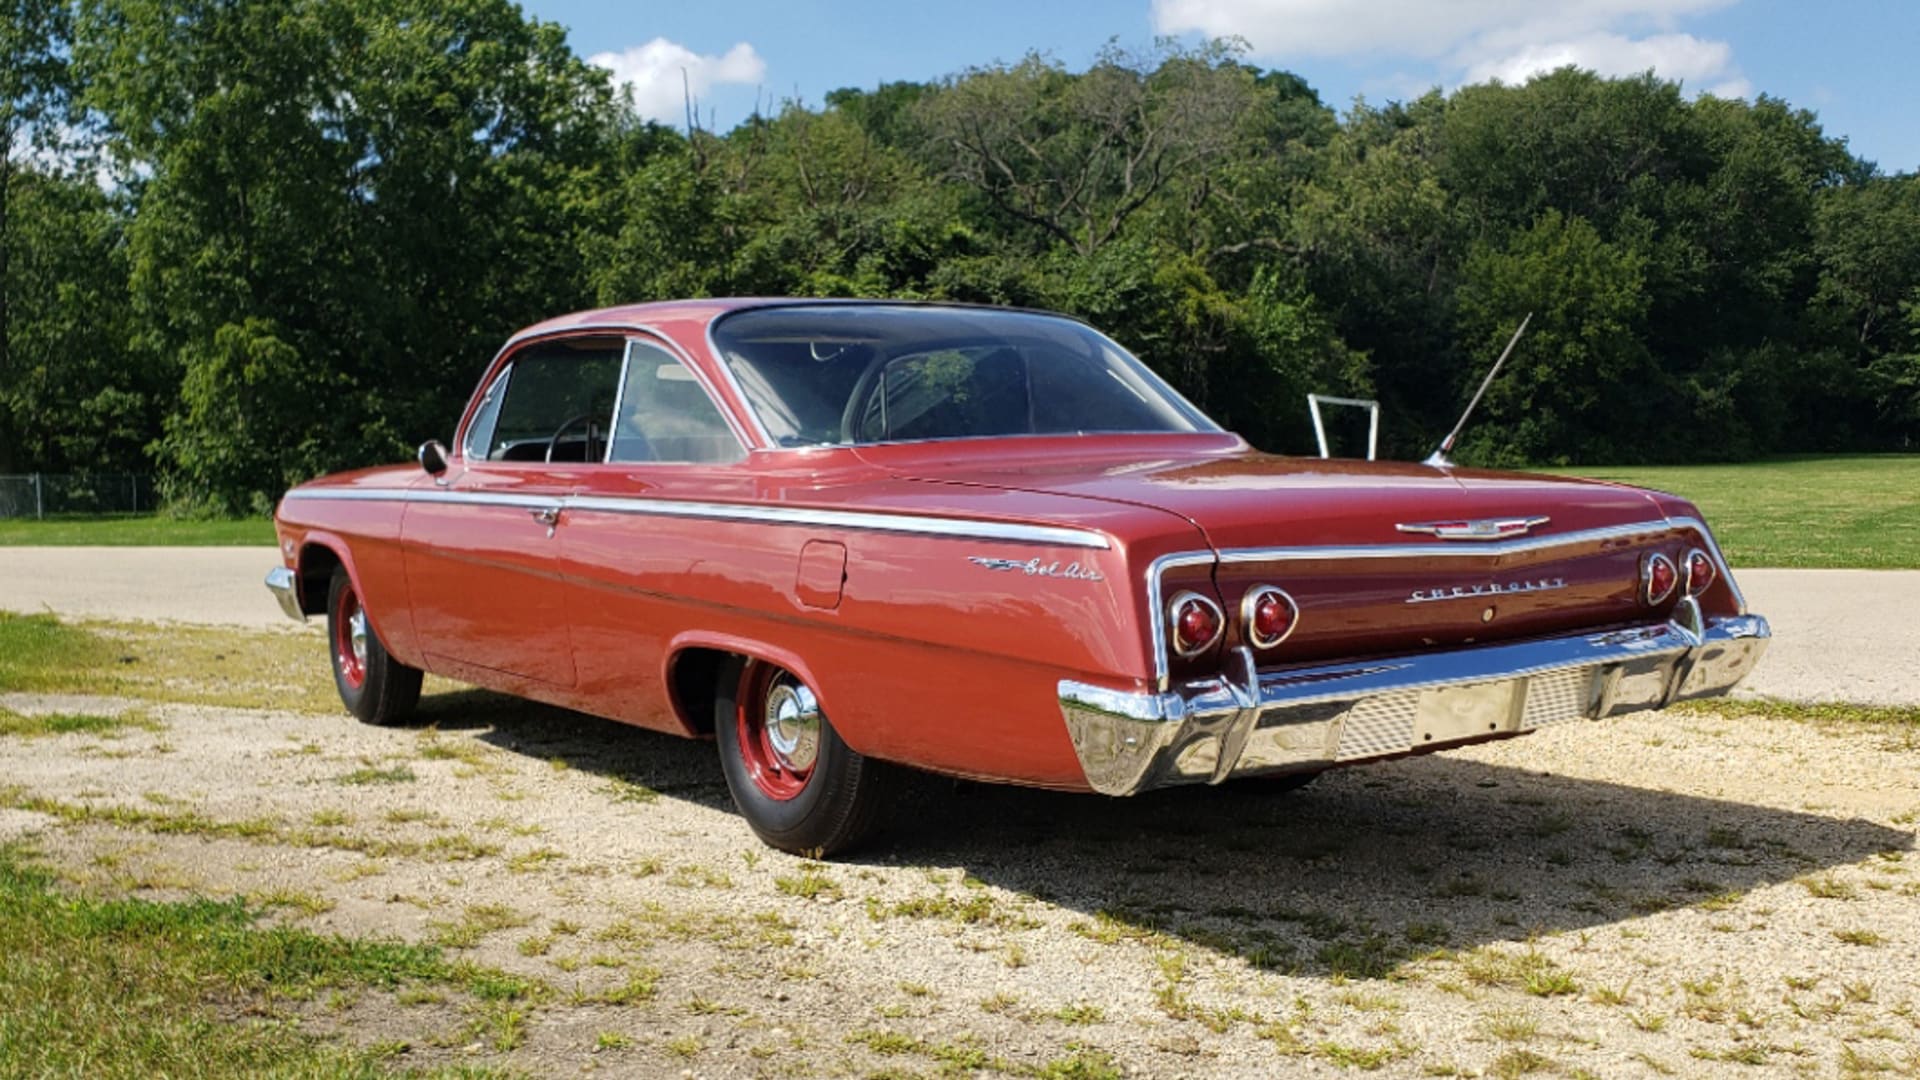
[[319, 217]]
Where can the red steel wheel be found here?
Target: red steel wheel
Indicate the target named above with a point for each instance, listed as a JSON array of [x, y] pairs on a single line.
[[373, 685], [349, 624], [797, 784]]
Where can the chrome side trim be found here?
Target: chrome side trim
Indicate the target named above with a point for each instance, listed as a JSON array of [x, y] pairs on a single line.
[[873, 521], [1156, 570], [1246, 723], [285, 587]]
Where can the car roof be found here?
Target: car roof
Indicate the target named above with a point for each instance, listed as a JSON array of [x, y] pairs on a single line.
[[642, 315]]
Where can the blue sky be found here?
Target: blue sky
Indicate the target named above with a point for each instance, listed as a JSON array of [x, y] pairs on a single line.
[[1851, 61]]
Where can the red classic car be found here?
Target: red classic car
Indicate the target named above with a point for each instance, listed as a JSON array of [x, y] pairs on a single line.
[[847, 537]]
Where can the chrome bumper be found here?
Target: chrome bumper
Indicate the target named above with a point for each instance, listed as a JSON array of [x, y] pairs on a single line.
[[286, 589], [1314, 718]]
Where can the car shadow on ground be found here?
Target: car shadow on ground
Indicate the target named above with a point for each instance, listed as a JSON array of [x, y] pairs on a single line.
[[1352, 875]]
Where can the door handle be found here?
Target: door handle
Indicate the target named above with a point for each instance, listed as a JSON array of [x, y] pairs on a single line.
[[546, 515]]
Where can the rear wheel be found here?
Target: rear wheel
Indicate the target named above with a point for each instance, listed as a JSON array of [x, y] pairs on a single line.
[[797, 784], [374, 686]]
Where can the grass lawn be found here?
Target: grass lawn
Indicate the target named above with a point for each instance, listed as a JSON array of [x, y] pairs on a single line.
[[133, 988], [1810, 512], [134, 530]]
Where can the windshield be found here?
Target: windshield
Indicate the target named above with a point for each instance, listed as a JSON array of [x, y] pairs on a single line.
[[848, 374]]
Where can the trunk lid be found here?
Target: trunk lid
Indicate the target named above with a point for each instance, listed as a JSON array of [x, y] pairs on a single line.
[[1329, 534]]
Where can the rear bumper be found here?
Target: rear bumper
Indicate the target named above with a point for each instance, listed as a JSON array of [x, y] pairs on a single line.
[[286, 589], [1314, 718]]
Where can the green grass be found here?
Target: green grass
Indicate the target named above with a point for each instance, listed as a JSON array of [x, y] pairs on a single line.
[[1809, 512], [133, 988], [13, 723], [198, 664], [134, 530]]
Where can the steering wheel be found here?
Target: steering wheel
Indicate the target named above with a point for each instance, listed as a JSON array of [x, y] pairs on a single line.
[[567, 425]]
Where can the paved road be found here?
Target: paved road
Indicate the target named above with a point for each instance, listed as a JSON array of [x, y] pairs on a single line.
[[1839, 635]]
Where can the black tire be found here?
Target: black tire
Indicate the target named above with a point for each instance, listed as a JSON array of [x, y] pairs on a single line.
[[831, 806], [373, 686]]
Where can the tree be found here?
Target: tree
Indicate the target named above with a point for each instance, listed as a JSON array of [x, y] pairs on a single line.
[[35, 93], [1074, 157], [350, 203]]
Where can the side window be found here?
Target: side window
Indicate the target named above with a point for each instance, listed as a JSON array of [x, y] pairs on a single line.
[[557, 404], [665, 414]]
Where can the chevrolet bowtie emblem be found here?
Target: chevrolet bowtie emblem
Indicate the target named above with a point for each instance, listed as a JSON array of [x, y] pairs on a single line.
[[1483, 529]]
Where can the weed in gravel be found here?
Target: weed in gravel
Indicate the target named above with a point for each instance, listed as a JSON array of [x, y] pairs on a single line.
[[396, 774], [1827, 887], [642, 984], [811, 883], [1531, 971], [1081, 1062], [1510, 1026], [1366, 1058], [1000, 1004], [611, 1040], [528, 862], [1650, 1022], [626, 791], [1860, 936], [695, 876], [459, 848], [1083, 1013], [1519, 1062], [479, 921]]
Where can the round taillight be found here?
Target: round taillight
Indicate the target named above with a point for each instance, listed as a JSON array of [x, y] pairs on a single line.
[[1660, 576], [1197, 623], [1269, 614], [1699, 572]]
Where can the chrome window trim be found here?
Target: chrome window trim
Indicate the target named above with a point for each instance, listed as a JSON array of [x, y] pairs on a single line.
[[659, 341], [619, 397], [628, 331], [498, 384], [868, 520], [1156, 570]]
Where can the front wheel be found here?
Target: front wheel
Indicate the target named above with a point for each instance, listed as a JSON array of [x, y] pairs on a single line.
[[374, 686], [798, 785]]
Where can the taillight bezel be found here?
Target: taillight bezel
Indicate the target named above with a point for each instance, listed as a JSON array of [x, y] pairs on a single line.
[[1175, 606], [1693, 588], [1251, 626], [1647, 565]]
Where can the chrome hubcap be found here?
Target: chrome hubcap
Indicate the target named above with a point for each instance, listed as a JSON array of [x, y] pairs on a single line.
[[357, 635], [793, 726]]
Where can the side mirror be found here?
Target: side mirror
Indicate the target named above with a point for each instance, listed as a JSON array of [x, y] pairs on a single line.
[[433, 457]]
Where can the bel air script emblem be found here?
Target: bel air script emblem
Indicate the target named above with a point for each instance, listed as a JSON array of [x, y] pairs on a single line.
[[1491, 588], [1036, 568]]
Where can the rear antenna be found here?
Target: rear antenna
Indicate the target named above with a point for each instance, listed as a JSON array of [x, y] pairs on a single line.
[[1438, 458]]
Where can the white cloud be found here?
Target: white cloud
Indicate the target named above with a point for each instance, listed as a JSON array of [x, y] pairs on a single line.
[[662, 73], [1475, 39], [1701, 65]]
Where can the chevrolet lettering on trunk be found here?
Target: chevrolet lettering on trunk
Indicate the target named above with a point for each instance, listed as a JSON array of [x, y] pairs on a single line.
[[847, 541], [1457, 592]]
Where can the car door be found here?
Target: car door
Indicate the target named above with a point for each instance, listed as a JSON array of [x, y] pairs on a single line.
[[481, 548], [641, 562]]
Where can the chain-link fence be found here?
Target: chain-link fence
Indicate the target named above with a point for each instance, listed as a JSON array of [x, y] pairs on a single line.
[[40, 495]]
